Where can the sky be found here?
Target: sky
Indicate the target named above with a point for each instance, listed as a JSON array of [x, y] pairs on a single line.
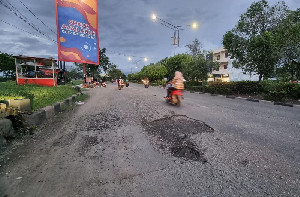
[[125, 27]]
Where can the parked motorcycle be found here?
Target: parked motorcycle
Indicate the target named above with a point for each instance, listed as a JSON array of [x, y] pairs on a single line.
[[175, 97]]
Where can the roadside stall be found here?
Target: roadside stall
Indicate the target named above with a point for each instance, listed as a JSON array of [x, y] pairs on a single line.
[[39, 71]]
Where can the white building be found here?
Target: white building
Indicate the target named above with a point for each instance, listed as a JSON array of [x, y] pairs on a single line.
[[226, 71]]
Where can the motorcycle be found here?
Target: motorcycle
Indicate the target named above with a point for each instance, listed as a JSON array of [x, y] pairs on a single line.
[[120, 86], [127, 84], [103, 84], [175, 97], [146, 83]]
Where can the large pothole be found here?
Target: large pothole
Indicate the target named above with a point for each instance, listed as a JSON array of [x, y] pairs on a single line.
[[173, 134]]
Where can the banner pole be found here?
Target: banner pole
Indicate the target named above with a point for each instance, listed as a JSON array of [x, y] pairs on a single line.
[[84, 73]]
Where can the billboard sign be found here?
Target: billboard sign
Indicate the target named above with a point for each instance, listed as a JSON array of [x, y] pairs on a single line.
[[77, 31]]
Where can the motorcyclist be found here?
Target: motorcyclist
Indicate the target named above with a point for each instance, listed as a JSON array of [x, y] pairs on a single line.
[[120, 81], [176, 84], [146, 81]]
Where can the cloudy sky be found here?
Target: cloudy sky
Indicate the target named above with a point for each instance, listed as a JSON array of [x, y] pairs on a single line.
[[125, 27]]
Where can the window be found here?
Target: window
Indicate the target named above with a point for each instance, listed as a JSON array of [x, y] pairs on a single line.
[[226, 54], [225, 66], [218, 57]]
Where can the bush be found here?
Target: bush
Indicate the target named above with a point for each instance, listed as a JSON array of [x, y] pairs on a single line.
[[274, 95], [271, 90]]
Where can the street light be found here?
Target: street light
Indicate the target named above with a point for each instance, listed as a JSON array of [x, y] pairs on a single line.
[[154, 17], [195, 25], [175, 28], [137, 61]]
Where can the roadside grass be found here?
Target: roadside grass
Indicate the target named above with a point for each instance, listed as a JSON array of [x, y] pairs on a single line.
[[75, 82], [81, 97], [40, 96]]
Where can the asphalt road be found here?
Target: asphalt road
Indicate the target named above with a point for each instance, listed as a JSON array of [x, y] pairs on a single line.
[[132, 143]]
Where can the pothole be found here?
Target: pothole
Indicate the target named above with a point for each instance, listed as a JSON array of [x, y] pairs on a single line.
[[103, 121], [87, 143], [173, 134]]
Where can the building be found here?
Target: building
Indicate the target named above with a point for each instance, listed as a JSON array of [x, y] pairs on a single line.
[[226, 72]]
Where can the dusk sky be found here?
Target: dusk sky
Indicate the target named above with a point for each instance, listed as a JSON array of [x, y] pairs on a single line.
[[125, 27]]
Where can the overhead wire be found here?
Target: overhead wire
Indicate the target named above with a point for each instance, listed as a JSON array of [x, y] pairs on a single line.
[[19, 28], [16, 12], [126, 55], [38, 18]]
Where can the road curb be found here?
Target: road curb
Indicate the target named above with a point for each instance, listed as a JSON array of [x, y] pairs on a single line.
[[284, 104], [254, 100], [267, 102], [48, 112], [231, 97]]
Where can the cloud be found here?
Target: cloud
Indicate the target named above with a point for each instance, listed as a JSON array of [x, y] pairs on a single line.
[[125, 27]]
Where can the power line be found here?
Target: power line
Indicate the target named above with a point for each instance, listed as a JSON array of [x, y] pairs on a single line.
[[126, 55], [37, 17], [24, 18], [22, 29]]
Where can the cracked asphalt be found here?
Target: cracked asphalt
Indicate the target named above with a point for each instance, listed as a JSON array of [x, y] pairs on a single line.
[[132, 143]]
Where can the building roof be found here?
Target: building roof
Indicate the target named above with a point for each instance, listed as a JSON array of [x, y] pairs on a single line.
[[218, 50]]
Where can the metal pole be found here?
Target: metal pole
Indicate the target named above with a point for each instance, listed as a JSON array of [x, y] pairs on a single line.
[[84, 73], [53, 70], [17, 75], [178, 37]]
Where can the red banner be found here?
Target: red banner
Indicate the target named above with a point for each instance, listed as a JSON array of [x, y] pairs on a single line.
[[77, 31]]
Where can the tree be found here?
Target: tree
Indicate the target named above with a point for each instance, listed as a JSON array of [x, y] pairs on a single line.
[[198, 67], [116, 74], [194, 48], [154, 72], [175, 63], [7, 65], [104, 65], [287, 37], [251, 43], [74, 74]]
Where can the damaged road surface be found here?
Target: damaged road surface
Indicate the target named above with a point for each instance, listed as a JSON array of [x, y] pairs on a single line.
[[131, 143]]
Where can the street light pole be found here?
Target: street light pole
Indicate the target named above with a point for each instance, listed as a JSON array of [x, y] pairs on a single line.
[[175, 28]]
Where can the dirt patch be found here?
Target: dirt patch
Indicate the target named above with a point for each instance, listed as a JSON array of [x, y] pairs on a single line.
[[103, 121], [173, 134], [65, 140], [87, 143]]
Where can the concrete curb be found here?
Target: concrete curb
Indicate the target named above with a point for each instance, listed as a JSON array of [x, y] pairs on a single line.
[[37, 118], [48, 112], [6, 129], [57, 108], [284, 104], [231, 97], [254, 100]]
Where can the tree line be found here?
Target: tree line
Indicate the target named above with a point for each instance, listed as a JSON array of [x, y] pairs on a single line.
[[265, 41]]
